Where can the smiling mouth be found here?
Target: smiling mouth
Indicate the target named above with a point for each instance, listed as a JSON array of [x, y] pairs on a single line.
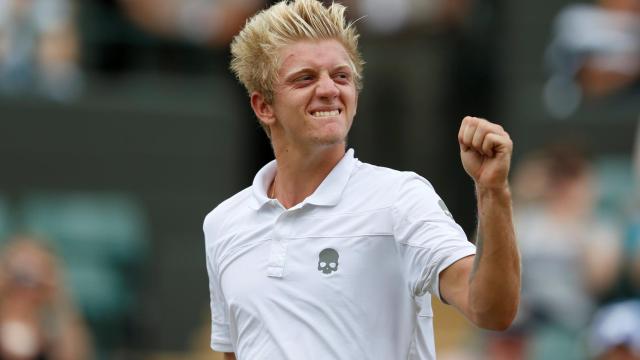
[[326, 113]]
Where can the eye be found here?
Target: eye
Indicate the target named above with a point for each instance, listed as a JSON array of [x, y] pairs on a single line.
[[342, 77], [304, 78]]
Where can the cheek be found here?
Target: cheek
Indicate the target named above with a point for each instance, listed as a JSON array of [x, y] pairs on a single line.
[[353, 95], [289, 108]]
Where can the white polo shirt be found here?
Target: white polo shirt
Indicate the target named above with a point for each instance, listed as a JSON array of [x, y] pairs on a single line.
[[342, 275]]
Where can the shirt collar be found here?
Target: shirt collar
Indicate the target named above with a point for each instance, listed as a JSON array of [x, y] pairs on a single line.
[[328, 193]]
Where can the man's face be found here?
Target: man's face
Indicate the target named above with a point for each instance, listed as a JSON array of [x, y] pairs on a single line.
[[315, 98]]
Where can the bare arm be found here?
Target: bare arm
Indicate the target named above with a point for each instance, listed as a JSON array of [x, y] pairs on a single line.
[[229, 356], [486, 287]]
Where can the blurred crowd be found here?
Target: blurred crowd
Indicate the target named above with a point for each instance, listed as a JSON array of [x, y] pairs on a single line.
[[38, 318], [42, 42], [577, 257], [595, 53], [579, 236], [69, 270], [39, 49]]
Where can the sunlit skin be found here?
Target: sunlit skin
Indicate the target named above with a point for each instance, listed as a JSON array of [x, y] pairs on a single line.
[[315, 101], [313, 76]]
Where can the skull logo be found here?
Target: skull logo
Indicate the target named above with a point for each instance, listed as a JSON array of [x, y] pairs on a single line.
[[328, 261]]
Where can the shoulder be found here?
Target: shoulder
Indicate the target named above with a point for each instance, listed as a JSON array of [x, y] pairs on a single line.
[[232, 207], [395, 181], [373, 175], [390, 186], [410, 195]]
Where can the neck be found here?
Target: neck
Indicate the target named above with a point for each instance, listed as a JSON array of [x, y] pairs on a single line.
[[300, 173]]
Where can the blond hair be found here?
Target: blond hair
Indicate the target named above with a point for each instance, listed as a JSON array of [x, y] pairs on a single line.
[[255, 49]]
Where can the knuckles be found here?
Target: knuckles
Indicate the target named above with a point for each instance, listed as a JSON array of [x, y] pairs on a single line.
[[472, 125]]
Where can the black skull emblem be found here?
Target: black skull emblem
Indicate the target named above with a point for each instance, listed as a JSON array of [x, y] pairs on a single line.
[[328, 261]]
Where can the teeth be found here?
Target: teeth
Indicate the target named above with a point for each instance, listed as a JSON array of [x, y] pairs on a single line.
[[326, 113]]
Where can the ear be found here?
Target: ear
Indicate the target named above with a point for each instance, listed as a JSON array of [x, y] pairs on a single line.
[[263, 110]]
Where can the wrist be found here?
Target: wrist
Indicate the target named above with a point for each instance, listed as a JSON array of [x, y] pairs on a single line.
[[502, 191]]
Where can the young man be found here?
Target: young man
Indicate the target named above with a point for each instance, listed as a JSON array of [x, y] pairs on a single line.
[[326, 257]]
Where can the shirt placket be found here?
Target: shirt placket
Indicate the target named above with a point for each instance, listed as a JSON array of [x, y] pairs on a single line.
[[278, 251]]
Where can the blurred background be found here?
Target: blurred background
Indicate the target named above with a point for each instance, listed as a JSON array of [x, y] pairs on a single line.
[[121, 127]]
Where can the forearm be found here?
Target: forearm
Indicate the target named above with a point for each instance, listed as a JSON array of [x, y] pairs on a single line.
[[494, 284]]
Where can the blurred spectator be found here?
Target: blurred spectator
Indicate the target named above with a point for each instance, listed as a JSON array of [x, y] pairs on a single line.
[[615, 332], [635, 156], [212, 22], [38, 320], [392, 16], [217, 21], [629, 282], [570, 256], [595, 52], [635, 233], [39, 49], [103, 239]]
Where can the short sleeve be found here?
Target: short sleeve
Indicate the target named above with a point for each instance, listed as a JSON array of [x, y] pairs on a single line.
[[429, 238], [220, 336]]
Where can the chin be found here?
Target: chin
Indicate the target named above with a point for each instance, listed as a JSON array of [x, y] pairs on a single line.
[[335, 133], [330, 140]]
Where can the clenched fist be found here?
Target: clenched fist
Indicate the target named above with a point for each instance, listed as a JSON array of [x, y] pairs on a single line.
[[485, 150]]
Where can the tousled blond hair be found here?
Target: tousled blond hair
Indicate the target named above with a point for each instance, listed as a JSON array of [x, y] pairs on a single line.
[[255, 49]]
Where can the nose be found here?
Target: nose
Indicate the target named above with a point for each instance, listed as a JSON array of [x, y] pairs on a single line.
[[326, 88]]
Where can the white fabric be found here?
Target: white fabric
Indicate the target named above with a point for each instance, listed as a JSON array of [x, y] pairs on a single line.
[[423, 346], [269, 299]]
